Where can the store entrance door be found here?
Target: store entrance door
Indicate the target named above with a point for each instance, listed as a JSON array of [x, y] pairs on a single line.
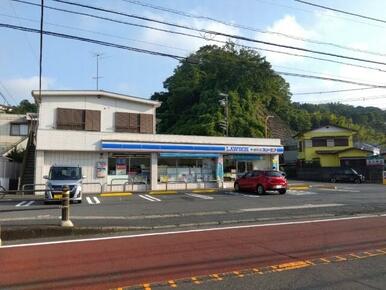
[[243, 166]]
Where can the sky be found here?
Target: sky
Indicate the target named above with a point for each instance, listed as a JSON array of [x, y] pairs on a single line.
[[71, 65]]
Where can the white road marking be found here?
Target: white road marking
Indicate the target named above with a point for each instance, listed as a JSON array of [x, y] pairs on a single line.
[[250, 195], [292, 207], [197, 230], [199, 196], [294, 192], [25, 203], [89, 200], [149, 197], [97, 201], [339, 190]]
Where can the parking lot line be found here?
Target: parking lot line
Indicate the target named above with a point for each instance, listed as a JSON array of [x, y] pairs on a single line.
[[97, 201], [199, 196], [25, 203], [149, 197], [112, 194]]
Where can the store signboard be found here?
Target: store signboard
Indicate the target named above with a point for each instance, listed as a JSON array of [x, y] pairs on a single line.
[[166, 147]]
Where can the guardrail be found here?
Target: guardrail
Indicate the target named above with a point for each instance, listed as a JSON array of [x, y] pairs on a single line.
[[93, 183]]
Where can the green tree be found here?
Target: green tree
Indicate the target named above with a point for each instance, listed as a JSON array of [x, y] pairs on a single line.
[[24, 107]]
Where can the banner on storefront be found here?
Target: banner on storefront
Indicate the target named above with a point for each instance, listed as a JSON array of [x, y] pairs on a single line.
[[166, 147]]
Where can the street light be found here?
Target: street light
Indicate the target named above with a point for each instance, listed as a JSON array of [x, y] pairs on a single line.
[[224, 103], [266, 124]]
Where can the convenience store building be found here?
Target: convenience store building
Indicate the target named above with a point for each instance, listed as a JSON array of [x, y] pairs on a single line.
[[112, 137]]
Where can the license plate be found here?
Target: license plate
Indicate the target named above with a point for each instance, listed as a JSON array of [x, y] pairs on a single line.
[[57, 196]]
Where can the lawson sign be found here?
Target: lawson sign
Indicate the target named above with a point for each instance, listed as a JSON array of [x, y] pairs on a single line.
[[192, 148]]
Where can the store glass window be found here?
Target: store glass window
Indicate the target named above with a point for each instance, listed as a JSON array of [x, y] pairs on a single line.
[[185, 170], [230, 173], [136, 166]]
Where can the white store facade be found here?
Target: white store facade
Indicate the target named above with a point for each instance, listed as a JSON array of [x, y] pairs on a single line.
[[112, 137]]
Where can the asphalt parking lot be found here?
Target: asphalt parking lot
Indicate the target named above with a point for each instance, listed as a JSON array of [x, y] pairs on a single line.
[[201, 207]]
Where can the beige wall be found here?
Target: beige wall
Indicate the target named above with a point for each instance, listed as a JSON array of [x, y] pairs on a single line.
[[6, 140], [107, 105]]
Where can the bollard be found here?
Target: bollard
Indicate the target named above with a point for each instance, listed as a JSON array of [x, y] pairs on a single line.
[[66, 222]]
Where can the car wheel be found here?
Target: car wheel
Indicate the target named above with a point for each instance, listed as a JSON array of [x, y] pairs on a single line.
[[332, 179], [260, 189], [357, 180], [282, 191], [237, 187]]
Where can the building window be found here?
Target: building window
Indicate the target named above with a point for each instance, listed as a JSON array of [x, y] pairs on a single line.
[[133, 166], [74, 119], [19, 130], [133, 122], [317, 142], [341, 142]]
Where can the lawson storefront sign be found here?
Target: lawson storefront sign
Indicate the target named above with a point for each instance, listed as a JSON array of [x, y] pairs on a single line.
[[192, 148]]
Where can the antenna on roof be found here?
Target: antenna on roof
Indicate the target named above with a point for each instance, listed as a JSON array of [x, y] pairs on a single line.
[[97, 55]]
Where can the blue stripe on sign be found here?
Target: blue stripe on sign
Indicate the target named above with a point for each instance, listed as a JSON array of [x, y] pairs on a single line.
[[166, 147], [189, 155], [156, 147]]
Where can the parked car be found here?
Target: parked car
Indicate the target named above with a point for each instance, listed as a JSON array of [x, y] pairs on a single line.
[[60, 176], [346, 174], [262, 180]]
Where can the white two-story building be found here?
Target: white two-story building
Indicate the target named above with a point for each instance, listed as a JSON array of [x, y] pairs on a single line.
[[113, 138]]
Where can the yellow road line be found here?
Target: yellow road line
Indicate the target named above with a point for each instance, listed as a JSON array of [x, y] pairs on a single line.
[[163, 192], [238, 274], [195, 280], [203, 190], [112, 194], [216, 277], [172, 283]]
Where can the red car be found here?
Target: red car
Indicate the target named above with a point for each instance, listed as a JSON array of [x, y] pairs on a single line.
[[262, 180]]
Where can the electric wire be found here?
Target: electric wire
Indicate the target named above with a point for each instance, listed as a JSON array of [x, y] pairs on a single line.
[[245, 27], [200, 37], [176, 57], [217, 33]]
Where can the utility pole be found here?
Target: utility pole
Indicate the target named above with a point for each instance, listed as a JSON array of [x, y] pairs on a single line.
[[225, 103], [41, 47], [97, 55], [266, 125]]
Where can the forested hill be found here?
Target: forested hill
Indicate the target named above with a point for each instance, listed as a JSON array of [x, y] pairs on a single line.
[[192, 101], [371, 117]]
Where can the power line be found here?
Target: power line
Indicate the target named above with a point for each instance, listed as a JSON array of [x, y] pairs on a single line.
[[5, 99], [8, 92], [333, 91], [176, 57], [217, 33], [326, 15], [197, 36], [357, 99], [258, 30], [341, 11]]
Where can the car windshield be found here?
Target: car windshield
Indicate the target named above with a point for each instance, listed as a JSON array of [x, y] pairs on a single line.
[[65, 173], [274, 174]]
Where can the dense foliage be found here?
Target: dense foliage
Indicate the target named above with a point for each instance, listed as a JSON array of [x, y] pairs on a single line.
[[191, 103], [24, 107]]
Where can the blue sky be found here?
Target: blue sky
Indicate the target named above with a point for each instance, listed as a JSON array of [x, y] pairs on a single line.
[[70, 64]]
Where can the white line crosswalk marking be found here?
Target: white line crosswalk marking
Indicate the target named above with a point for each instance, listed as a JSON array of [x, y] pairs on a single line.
[[199, 196]]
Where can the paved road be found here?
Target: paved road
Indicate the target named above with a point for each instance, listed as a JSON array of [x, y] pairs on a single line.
[[168, 257], [199, 208]]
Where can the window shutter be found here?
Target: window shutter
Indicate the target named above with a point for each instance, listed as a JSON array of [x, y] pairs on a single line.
[[133, 122], [63, 118], [146, 123], [93, 120], [121, 122], [78, 120]]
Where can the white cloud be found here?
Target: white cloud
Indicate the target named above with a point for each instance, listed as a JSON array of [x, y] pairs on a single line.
[[286, 25], [190, 44], [20, 88]]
